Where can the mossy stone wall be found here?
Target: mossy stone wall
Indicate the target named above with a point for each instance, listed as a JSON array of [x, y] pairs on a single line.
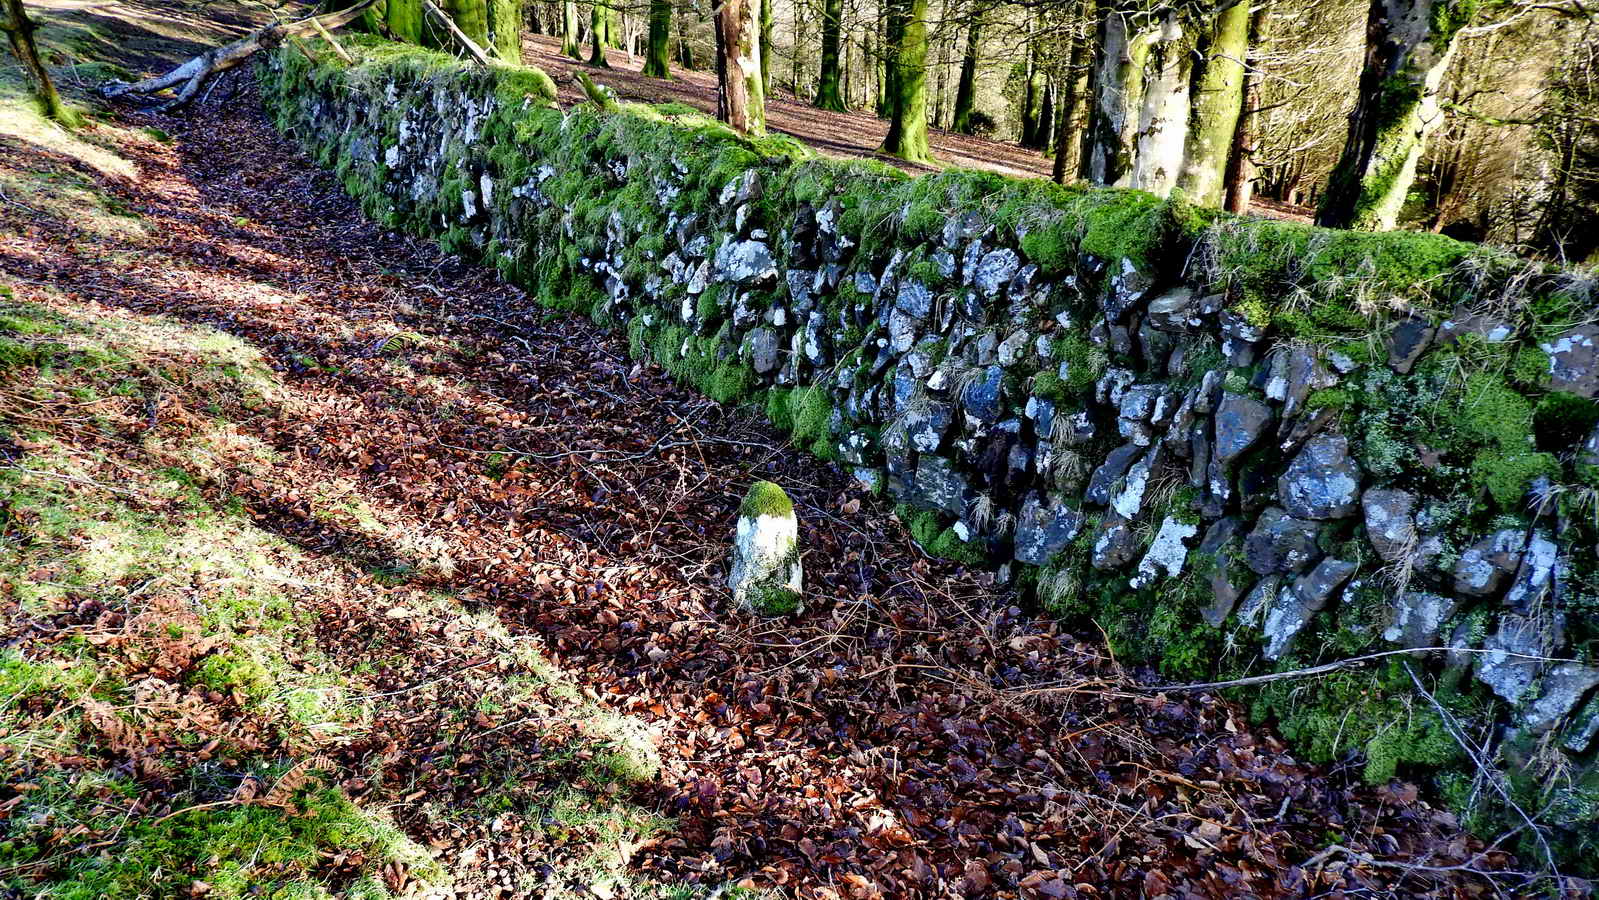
[[1239, 446]]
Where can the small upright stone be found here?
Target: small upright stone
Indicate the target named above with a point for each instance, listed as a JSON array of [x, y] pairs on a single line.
[[767, 577]]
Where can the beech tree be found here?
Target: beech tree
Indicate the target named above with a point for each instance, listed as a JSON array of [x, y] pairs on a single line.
[[1409, 44], [599, 35], [1218, 86], [828, 95], [906, 94], [741, 102], [658, 51], [966, 90], [569, 26]]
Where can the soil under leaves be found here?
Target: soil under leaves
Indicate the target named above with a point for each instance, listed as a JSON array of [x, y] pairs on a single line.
[[913, 734]]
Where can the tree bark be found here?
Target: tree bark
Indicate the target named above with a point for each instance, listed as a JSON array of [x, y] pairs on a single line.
[[1409, 44], [907, 127], [19, 31], [658, 52], [1032, 96], [1218, 99], [1141, 91], [569, 25], [599, 35], [966, 91], [739, 66], [505, 30], [827, 78], [1074, 84], [470, 16], [766, 56], [1241, 162]]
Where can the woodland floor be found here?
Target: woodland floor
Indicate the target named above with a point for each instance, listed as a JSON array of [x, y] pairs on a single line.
[[452, 472]]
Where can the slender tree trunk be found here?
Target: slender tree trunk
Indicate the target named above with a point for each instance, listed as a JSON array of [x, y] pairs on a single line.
[[1069, 133], [1241, 162], [739, 67], [569, 25], [685, 50], [907, 127], [659, 51], [19, 31], [1046, 116], [966, 91], [599, 26], [1218, 98], [827, 78], [766, 48], [888, 39], [1409, 44], [534, 26]]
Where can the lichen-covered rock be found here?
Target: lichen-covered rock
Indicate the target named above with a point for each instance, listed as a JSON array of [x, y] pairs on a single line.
[[766, 575], [1322, 482], [1574, 361], [1290, 611], [746, 262], [1535, 576], [981, 398], [1220, 551], [1562, 688], [1129, 501], [940, 486], [1483, 567], [1044, 528], [1280, 543], [1390, 522], [1166, 552], [1417, 618], [995, 271], [1115, 545], [1407, 342], [1513, 654], [1239, 421]]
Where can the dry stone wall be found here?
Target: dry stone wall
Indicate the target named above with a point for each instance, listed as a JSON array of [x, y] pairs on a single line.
[[1238, 445]]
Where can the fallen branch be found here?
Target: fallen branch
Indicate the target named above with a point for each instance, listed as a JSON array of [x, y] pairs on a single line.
[[193, 74], [460, 37], [1325, 668]]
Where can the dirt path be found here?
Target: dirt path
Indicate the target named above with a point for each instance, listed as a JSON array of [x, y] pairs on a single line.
[[914, 734]]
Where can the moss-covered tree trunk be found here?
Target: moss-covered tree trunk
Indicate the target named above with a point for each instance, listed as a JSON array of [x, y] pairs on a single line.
[[1218, 98], [19, 31], [1164, 116], [599, 35], [505, 30], [907, 95], [658, 52], [765, 56], [569, 26], [827, 78], [1036, 86], [534, 24], [966, 90], [1409, 44], [1118, 94], [471, 16], [742, 104], [1141, 102]]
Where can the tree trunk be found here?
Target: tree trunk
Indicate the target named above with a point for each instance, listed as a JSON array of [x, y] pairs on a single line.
[[742, 103], [685, 50], [659, 51], [1409, 44], [19, 31], [907, 127], [404, 19], [505, 30], [599, 35], [1046, 116], [827, 93], [966, 91], [1218, 98], [1240, 176], [1140, 115], [569, 26], [471, 16], [893, 24], [765, 50], [531, 10], [1069, 133], [1032, 99]]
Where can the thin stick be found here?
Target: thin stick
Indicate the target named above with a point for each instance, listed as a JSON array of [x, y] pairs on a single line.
[[455, 32], [328, 36], [1324, 668]]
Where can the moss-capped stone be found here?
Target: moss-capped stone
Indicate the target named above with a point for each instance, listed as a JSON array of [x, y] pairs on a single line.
[[766, 576]]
